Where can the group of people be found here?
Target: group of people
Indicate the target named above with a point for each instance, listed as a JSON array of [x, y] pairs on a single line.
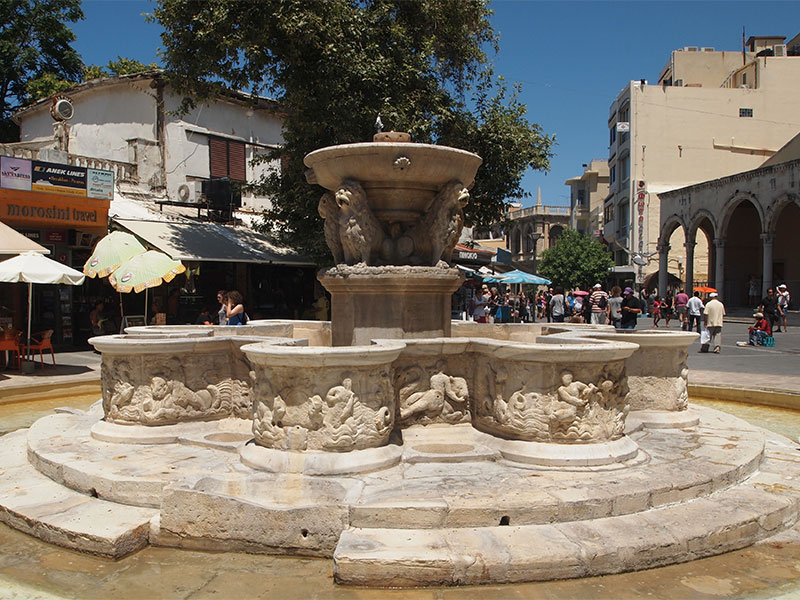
[[491, 304], [770, 317], [230, 312]]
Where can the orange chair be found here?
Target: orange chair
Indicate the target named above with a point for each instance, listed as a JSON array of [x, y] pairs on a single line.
[[12, 345], [40, 341]]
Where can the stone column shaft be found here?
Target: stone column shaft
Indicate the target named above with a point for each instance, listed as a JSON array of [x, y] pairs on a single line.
[[766, 269]]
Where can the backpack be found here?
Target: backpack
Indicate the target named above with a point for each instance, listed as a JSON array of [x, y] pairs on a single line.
[[603, 302]]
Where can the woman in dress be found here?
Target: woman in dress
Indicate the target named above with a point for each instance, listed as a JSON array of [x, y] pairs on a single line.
[[656, 310]]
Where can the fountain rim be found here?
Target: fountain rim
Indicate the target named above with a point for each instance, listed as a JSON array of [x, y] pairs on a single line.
[[393, 146]]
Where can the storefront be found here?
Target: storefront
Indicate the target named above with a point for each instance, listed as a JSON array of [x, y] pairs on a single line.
[[65, 209]]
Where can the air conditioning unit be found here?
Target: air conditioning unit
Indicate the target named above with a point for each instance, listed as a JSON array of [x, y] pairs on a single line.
[[690, 48], [678, 83], [191, 192], [62, 109], [779, 49], [707, 49]]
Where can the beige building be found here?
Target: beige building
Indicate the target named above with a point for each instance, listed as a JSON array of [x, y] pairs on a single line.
[[711, 114], [528, 232], [587, 195]]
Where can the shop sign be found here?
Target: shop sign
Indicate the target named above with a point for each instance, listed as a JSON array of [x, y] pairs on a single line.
[[15, 173], [55, 237], [54, 178], [100, 184]]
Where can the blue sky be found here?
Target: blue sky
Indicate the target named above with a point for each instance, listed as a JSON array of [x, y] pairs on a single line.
[[572, 58]]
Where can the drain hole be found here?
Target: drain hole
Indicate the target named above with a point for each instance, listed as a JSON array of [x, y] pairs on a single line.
[[505, 520], [93, 493], [304, 532]]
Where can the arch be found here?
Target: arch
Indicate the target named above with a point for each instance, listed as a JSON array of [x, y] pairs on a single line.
[[555, 233], [732, 204], [528, 238], [670, 224], [514, 240], [777, 206], [698, 219]]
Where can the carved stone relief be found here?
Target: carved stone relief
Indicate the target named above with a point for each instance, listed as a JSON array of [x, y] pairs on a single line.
[[355, 236], [321, 409], [161, 389], [587, 409], [428, 394]]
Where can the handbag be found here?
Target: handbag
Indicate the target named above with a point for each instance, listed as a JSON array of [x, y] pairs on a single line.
[[705, 336]]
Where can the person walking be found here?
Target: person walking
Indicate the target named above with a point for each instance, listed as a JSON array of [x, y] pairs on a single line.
[[656, 310], [681, 299], [694, 310], [666, 309], [557, 305], [615, 306], [783, 303], [712, 320], [599, 302], [631, 309]]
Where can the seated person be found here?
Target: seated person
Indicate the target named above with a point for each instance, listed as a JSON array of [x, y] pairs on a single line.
[[760, 330]]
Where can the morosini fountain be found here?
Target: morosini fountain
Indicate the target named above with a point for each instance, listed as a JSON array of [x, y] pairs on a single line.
[[410, 449]]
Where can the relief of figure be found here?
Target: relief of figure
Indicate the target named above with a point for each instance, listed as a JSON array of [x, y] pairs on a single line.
[[328, 209], [526, 413], [683, 390], [267, 426], [435, 236], [446, 396]]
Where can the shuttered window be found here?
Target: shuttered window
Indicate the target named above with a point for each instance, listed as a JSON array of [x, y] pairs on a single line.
[[227, 159]]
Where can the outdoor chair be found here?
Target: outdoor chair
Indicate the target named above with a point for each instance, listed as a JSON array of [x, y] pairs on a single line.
[[40, 341], [11, 345]]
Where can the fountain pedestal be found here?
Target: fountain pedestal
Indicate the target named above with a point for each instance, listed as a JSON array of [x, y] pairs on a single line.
[[389, 302]]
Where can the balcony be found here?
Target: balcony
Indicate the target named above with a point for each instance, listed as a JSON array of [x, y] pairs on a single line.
[[538, 210], [123, 171]]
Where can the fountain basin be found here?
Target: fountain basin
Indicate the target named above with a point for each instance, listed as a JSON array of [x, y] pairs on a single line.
[[400, 179]]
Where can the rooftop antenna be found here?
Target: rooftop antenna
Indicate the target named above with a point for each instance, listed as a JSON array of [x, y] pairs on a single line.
[[744, 55]]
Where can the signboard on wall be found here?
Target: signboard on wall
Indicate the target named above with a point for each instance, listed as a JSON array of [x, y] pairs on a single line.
[[100, 184], [15, 173], [54, 178]]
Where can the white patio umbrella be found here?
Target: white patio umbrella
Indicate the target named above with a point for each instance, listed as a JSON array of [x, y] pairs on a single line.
[[32, 267]]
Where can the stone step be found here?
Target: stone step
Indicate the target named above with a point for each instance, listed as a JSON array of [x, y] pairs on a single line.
[[38, 506], [724, 521]]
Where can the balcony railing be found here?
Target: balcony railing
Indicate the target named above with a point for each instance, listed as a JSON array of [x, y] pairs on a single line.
[[123, 171], [538, 210]]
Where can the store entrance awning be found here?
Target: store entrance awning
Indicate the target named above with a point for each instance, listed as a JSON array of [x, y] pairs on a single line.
[[13, 242], [211, 242]]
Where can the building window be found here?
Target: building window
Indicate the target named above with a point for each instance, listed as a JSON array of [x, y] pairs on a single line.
[[624, 116], [745, 112], [622, 223], [227, 159], [582, 198], [608, 213], [612, 174], [612, 134], [624, 167]]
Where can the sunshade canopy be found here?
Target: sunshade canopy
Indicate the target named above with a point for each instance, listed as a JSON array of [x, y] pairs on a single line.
[[33, 267], [145, 271], [110, 252], [517, 276], [13, 242]]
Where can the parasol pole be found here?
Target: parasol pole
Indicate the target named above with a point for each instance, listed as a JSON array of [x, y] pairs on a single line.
[[30, 303], [145, 306]]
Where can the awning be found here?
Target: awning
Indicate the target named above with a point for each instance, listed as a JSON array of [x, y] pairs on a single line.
[[13, 242], [211, 242]]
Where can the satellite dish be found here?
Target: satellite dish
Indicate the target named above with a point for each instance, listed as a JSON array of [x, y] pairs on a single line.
[[62, 109]]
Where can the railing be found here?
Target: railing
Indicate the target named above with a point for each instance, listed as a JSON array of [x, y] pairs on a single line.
[[123, 171], [538, 210]]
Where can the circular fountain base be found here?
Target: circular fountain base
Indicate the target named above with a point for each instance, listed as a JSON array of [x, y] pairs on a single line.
[[451, 510]]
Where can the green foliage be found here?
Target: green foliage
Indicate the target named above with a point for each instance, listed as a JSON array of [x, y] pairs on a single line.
[[576, 260], [34, 40], [334, 65]]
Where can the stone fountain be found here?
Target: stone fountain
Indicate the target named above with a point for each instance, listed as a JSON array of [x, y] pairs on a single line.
[[411, 449]]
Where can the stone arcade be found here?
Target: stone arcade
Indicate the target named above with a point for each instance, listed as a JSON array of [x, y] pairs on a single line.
[[410, 449]]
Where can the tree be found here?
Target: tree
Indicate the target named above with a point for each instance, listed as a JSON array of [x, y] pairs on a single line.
[[334, 65], [34, 39], [576, 260]]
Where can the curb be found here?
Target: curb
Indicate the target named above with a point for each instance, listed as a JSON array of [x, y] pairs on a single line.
[[767, 397]]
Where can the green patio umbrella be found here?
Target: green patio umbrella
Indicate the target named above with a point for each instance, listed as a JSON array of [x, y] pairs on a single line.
[[145, 271], [110, 252]]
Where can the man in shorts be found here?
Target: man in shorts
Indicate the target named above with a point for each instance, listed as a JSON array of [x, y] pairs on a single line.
[[681, 300]]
